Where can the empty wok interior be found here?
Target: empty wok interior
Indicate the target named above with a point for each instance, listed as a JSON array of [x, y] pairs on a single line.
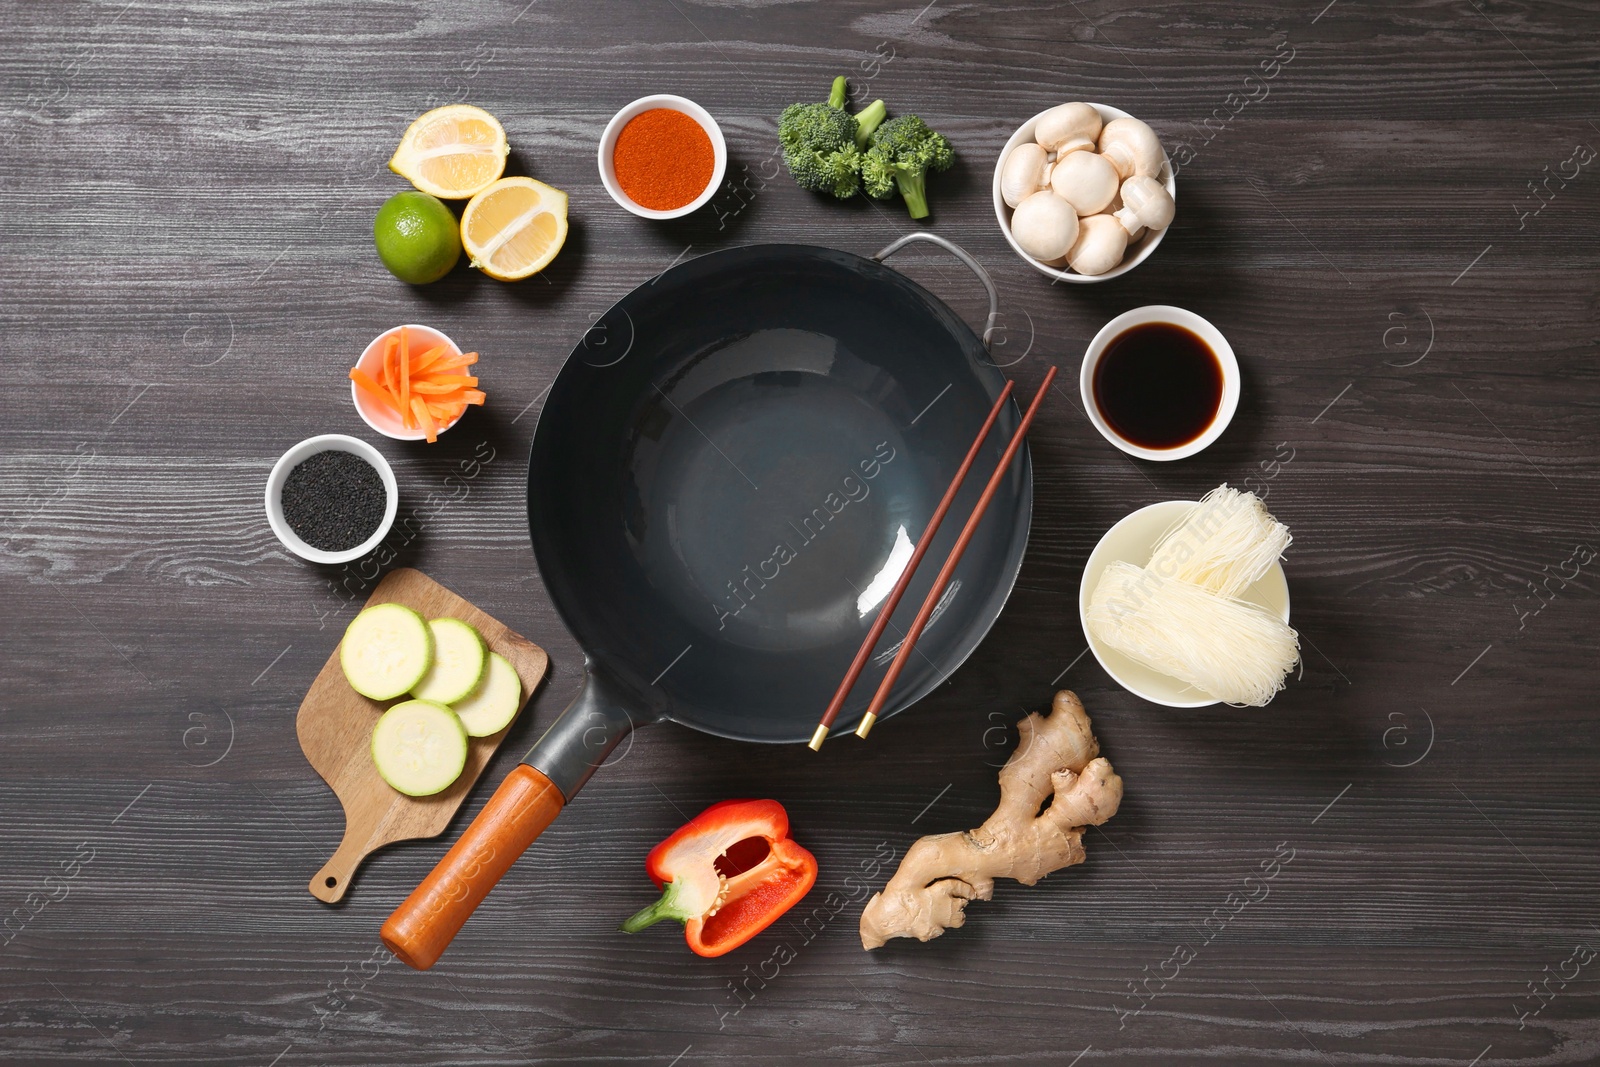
[[733, 466]]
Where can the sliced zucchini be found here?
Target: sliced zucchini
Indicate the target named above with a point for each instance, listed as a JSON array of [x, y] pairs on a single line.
[[419, 747], [459, 655], [488, 708], [386, 650]]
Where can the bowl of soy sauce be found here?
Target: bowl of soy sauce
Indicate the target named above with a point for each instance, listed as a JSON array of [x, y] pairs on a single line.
[[1159, 382]]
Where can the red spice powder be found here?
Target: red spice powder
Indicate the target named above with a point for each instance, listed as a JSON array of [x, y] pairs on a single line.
[[663, 159]]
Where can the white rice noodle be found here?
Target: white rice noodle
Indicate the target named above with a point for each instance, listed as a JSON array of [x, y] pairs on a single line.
[[1224, 545], [1235, 651]]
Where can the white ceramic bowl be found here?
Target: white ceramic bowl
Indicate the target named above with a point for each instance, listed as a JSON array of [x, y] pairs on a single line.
[[1138, 251], [324, 443], [1178, 317], [608, 146], [383, 419], [1133, 540]]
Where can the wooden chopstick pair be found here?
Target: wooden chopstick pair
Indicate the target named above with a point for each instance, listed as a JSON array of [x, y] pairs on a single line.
[[923, 543]]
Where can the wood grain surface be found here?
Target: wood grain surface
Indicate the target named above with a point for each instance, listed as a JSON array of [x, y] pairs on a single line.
[[188, 193], [335, 724]]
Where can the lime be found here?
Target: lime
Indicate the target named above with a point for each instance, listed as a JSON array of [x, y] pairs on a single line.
[[417, 236]]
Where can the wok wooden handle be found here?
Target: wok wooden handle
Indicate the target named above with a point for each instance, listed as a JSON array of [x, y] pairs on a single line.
[[420, 929]]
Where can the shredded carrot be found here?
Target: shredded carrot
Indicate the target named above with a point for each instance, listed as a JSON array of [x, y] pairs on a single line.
[[365, 383], [473, 396], [429, 427], [391, 378], [440, 386], [446, 413], [405, 378], [452, 362], [428, 359]]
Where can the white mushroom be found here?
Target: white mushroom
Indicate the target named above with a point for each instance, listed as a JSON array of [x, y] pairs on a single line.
[[1023, 173], [1077, 144], [1116, 206], [1100, 245], [1067, 122], [1145, 202], [1085, 180], [1132, 147], [1045, 226]]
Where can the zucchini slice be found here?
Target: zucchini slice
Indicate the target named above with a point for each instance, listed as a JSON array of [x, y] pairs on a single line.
[[488, 708], [459, 655], [419, 747], [386, 650]]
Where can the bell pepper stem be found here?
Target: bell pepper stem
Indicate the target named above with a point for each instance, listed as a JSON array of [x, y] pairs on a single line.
[[665, 908]]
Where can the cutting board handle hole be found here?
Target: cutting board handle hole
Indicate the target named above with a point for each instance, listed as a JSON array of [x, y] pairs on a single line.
[[330, 881]]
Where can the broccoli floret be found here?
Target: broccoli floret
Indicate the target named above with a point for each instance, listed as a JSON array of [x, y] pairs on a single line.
[[903, 151], [819, 147], [822, 143]]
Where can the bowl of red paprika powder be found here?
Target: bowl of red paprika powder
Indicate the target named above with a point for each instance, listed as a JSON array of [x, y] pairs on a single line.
[[662, 156]]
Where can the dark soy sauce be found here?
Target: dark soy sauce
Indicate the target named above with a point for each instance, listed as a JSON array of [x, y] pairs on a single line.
[[1158, 385]]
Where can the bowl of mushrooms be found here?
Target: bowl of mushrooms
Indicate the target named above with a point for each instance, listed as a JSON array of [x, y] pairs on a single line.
[[1084, 192]]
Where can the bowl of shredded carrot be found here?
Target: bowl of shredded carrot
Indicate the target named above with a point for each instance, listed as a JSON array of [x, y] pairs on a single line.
[[662, 156], [413, 383]]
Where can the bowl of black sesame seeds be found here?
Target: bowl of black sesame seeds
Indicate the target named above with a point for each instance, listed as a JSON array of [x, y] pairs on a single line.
[[331, 498]]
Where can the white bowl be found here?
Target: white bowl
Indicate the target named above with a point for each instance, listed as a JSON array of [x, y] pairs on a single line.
[[1133, 540], [386, 420], [608, 146], [335, 442], [1178, 317], [1138, 251]]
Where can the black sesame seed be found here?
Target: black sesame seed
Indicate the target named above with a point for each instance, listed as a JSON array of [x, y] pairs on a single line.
[[333, 500]]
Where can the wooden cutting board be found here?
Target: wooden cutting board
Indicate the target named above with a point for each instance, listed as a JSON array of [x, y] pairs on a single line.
[[335, 727]]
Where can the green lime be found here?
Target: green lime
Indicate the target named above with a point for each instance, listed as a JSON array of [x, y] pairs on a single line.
[[417, 236]]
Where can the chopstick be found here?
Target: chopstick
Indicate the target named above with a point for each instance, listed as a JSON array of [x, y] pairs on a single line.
[[900, 585], [939, 583]]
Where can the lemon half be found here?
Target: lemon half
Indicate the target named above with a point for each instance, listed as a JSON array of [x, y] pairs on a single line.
[[452, 152], [514, 228]]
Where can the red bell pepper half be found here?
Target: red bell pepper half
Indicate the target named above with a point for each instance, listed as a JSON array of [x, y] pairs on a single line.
[[727, 875]]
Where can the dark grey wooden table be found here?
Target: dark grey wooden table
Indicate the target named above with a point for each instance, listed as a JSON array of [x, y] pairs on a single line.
[[1392, 228]]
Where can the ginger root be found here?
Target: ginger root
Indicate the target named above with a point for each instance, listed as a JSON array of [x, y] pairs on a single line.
[[1056, 758]]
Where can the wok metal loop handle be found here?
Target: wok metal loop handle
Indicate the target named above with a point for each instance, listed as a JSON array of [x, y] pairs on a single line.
[[964, 256]]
